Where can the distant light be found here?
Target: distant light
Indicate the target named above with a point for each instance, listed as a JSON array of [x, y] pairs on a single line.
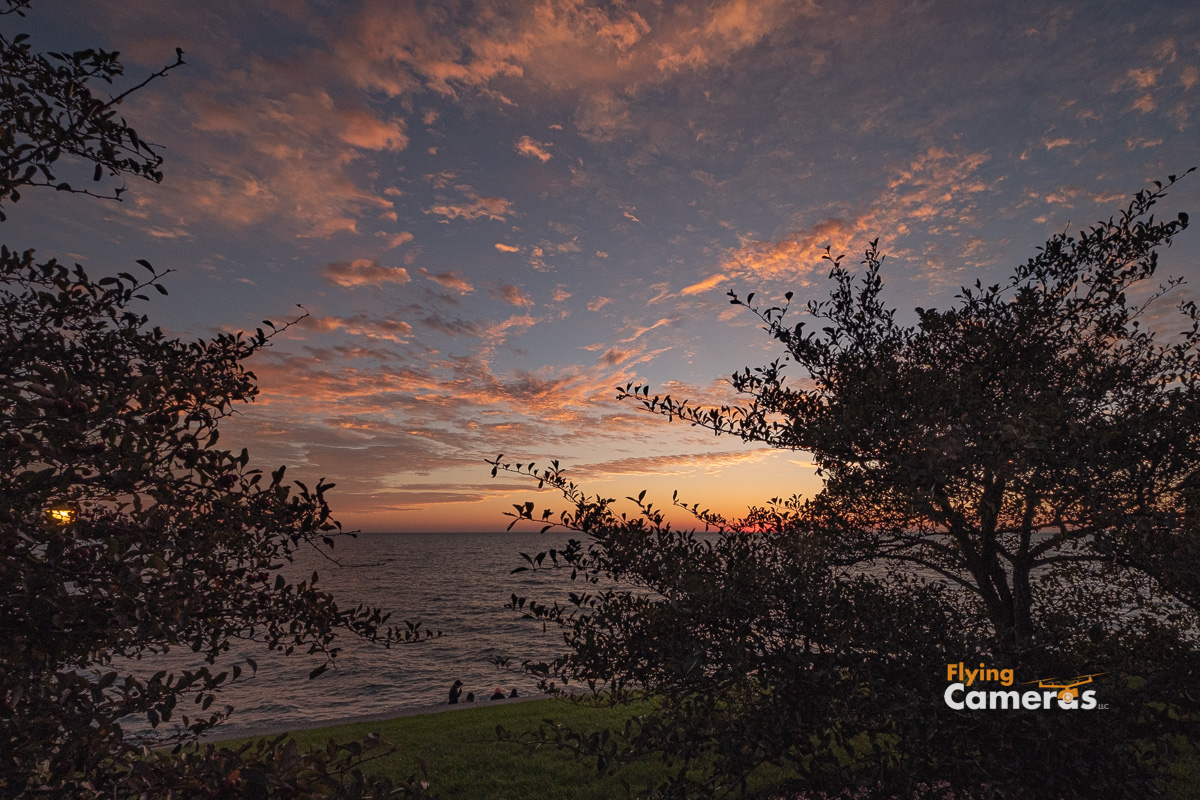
[[61, 516]]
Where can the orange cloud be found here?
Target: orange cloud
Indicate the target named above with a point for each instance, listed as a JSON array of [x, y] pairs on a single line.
[[507, 248], [448, 280], [661, 292], [371, 417], [499, 332], [512, 295], [264, 148], [532, 148], [640, 330], [394, 240], [278, 140], [361, 325], [725, 29], [1061, 141], [793, 257], [936, 190], [362, 272], [601, 53], [704, 285], [1144, 78], [559, 248], [441, 180], [673, 464], [474, 207], [1189, 77], [615, 355], [363, 129]]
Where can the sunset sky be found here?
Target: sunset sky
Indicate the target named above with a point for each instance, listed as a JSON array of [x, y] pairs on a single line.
[[495, 212]]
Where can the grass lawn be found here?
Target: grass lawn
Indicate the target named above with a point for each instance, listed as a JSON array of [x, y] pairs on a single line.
[[459, 754]]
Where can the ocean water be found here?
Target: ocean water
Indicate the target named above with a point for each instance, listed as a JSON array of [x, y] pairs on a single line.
[[457, 583]]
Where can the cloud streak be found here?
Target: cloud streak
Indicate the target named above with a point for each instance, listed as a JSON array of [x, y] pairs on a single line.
[[472, 206], [363, 272], [449, 280]]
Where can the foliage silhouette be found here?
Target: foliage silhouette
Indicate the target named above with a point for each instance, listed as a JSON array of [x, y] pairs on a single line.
[[127, 531], [1036, 424], [50, 111], [1011, 481]]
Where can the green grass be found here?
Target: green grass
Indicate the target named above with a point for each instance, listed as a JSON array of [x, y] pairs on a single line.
[[461, 756]]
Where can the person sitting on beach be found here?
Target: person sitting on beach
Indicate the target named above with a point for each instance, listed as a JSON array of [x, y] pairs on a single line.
[[497, 695], [513, 693], [470, 697], [455, 692]]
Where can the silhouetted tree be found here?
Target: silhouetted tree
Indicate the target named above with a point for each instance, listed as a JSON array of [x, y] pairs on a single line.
[[126, 530], [50, 111], [1036, 428], [1011, 480]]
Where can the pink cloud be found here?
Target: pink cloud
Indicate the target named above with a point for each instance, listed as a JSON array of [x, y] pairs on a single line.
[[615, 355], [394, 240], [472, 207], [362, 272], [935, 190], [512, 295], [640, 330], [600, 53], [1061, 141], [362, 325], [1189, 77], [518, 323], [448, 280], [726, 28], [1144, 78], [262, 150], [532, 148]]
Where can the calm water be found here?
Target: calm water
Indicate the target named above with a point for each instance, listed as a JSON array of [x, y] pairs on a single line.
[[454, 582]]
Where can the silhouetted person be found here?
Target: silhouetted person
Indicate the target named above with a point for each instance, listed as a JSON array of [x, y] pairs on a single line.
[[513, 693], [497, 695], [455, 692], [470, 697]]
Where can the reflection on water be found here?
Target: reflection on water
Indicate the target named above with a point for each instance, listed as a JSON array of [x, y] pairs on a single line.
[[457, 583]]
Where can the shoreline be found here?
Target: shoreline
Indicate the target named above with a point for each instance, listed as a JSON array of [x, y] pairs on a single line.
[[218, 735]]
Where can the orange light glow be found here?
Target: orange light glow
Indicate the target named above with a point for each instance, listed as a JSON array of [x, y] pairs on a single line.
[[61, 516]]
